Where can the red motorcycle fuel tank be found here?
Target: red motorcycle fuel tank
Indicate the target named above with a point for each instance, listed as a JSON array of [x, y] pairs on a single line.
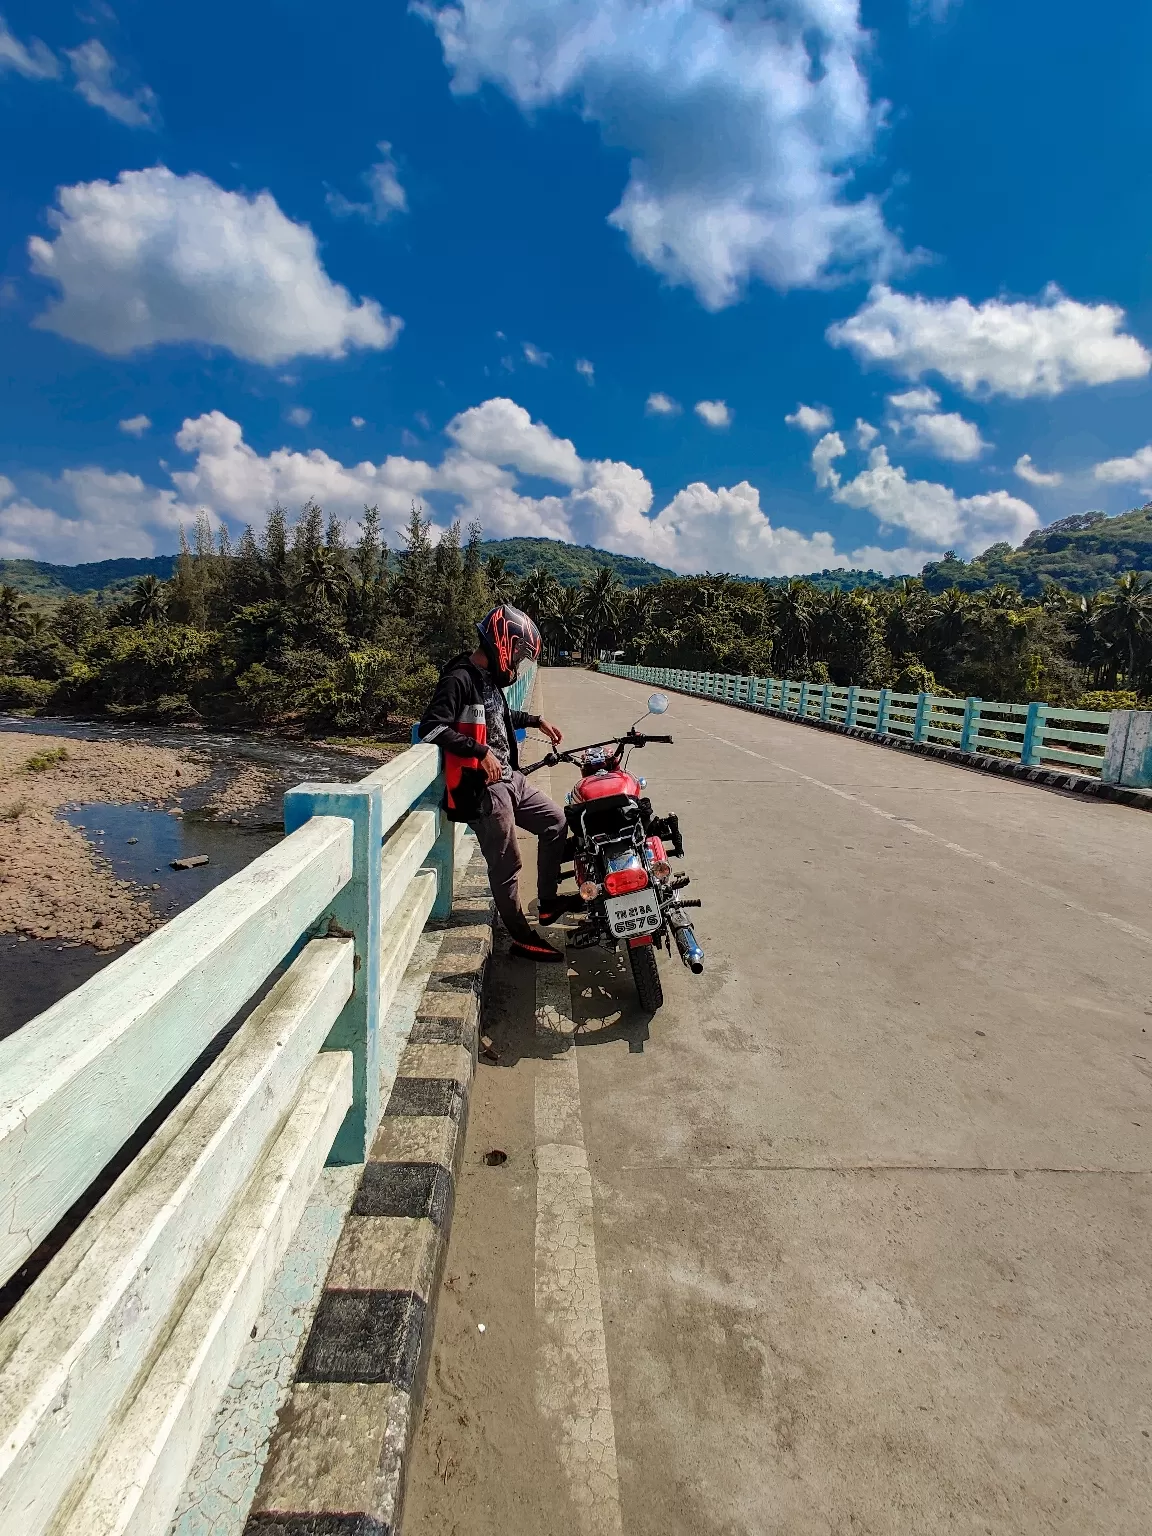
[[596, 786]]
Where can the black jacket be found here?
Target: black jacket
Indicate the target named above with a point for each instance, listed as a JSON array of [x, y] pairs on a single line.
[[454, 721]]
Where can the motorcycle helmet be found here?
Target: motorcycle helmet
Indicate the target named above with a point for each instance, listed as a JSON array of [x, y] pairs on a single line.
[[507, 638]]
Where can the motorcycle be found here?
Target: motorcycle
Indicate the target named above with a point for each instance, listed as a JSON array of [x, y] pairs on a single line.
[[620, 852]]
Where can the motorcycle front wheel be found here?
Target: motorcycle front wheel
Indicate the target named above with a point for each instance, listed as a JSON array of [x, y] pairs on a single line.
[[646, 975]]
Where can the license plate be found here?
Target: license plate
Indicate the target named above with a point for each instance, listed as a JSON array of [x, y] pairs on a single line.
[[638, 913]]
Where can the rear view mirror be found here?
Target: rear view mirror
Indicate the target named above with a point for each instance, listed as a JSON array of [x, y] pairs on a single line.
[[658, 704]]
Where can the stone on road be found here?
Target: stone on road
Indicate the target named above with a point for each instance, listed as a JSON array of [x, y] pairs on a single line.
[[872, 1194]]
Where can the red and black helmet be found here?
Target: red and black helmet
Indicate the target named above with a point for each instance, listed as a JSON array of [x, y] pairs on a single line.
[[508, 637]]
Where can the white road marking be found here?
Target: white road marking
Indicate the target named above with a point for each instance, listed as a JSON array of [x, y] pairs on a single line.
[[911, 826], [572, 1387]]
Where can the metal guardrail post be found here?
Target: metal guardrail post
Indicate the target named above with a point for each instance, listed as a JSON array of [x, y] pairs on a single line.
[[850, 708], [355, 914], [883, 705], [923, 715], [1033, 734], [970, 725]]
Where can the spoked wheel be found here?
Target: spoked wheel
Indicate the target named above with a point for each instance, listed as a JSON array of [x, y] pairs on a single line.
[[646, 975]]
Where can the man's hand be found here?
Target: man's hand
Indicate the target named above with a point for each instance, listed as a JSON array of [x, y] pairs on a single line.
[[492, 767], [553, 733]]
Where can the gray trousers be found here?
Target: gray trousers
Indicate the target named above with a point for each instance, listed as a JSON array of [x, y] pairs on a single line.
[[516, 804]]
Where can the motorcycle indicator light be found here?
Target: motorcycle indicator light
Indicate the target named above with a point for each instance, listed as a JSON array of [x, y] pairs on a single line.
[[589, 891], [621, 881], [660, 869]]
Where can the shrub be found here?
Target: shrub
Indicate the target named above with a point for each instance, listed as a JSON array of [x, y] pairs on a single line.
[[26, 692]]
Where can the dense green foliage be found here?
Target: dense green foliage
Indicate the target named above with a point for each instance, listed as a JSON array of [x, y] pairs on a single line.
[[1085, 554], [996, 645], [110, 578], [571, 564]]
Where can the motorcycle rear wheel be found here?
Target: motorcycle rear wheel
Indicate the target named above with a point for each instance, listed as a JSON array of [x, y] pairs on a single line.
[[646, 975]]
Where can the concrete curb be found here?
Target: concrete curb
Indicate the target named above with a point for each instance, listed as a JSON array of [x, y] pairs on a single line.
[[980, 762], [338, 1458]]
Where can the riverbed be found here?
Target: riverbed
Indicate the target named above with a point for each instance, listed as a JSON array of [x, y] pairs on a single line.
[[92, 817]]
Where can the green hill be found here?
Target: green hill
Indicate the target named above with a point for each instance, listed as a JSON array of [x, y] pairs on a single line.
[[40, 579], [1084, 553], [572, 563]]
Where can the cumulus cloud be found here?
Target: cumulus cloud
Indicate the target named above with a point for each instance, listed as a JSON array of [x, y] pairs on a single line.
[[135, 426], [866, 434], [934, 513], [34, 60], [905, 561], [827, 450], [1026, 470], [89, 514], [502, 432], [999, 347], [585, 369], [386, 195], [534, 355], [943, 434], [299, 415], [810, 418], [741, 123], [154, 257], [1137, 468], [98, 79], [661, 405], [714, 412]]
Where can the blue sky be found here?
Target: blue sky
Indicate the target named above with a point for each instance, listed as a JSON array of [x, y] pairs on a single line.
[[569, 268]]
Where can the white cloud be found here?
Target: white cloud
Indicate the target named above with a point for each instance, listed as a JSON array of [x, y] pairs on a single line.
[[34, 60], [1017, 349], [387, 196], [714, 412], [827, 450], [299, 415], [915, 400], [135, 426], [93, 515], [661, 405], [931, 10], [585, 369], [740, 122], [534, 355], [866, 433], [1136, 468], [357, 422], [502, 432], [96, 76], [810, 418], [155, 257], [934, 513], [1025, 468]]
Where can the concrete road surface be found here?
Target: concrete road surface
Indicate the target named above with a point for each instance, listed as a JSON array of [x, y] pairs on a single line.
[[861, 1233]]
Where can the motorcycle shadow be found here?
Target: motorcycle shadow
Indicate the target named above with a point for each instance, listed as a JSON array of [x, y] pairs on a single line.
[[605, 1008]]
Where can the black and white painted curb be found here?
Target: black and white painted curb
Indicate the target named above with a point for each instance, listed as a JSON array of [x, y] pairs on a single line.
[[338, 1457], [981, 762]]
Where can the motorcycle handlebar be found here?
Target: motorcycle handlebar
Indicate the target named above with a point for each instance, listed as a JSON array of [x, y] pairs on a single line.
[[632, 739]]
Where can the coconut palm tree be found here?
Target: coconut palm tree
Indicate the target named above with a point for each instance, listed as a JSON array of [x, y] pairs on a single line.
[[148, 603], [14, 611], [600, 606], [1126, 620]]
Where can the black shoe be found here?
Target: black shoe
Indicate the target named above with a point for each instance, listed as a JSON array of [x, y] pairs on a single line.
[[551, 911], [536, 949]]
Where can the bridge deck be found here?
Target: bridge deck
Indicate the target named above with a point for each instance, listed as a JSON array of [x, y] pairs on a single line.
[[871, 1196]]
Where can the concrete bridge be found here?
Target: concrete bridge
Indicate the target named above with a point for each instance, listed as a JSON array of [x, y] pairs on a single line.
[[852, 1236]]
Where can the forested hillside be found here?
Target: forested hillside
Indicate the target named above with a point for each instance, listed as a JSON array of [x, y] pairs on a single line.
[[1084, 553]]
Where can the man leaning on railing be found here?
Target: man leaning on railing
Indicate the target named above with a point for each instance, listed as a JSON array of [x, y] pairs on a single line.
[[470, 721]]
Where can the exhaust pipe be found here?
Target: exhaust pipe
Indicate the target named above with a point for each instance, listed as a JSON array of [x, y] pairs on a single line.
[[690, 952]]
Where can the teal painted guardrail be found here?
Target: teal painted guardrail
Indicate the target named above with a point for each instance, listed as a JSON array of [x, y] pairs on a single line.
[[160, 1284], [1117, 745]]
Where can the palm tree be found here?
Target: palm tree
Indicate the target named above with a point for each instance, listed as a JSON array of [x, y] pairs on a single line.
[[1126, 620], [567, 621], [538, 594], [600, 606], [324, 578], [501, 581], [14, 611], [789, 615], [148, 603]]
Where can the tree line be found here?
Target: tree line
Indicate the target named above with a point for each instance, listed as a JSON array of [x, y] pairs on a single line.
[[293, 629]]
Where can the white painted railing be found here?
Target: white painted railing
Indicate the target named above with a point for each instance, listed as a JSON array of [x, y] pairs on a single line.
[[1115, 744], [113, 1361]]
